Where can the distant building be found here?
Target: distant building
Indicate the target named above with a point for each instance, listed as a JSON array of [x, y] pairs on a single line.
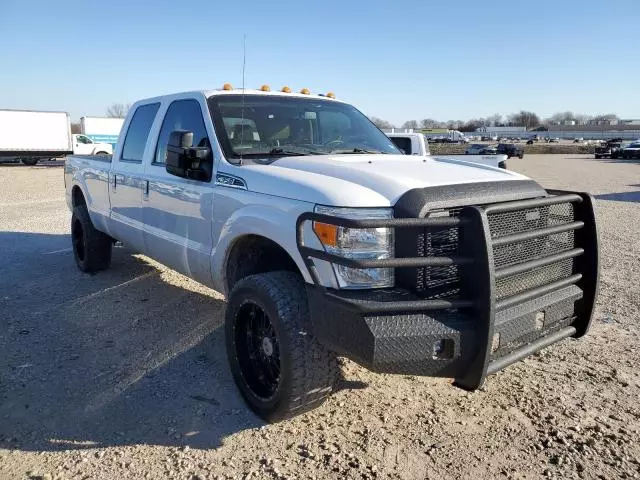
[[602, 122], [499, 130], [629, 122]]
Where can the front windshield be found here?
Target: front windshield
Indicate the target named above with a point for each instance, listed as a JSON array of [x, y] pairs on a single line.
[[261, 126]]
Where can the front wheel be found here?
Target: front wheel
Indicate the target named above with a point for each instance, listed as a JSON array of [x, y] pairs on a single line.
[[280, 369], [29, 161]]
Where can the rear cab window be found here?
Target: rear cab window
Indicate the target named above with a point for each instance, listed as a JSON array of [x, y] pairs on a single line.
[[138, 133]]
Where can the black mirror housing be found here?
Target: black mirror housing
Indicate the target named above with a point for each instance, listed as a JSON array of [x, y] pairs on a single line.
[[185, 160]]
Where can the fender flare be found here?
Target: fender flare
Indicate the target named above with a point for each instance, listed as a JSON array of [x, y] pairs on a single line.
[[261, 220]]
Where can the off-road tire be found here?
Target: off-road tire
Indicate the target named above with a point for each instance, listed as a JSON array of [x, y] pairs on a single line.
[[91, 248], [307, 370]]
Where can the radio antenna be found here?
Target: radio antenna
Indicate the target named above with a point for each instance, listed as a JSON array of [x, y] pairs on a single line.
[[244, 62]]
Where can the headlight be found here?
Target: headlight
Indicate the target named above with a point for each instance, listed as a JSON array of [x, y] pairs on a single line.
[[358, 243]]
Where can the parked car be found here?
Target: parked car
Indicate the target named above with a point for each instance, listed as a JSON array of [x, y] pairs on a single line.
[[327, 242], [631, 151], [616, 151], [510, 150], [480, 149]]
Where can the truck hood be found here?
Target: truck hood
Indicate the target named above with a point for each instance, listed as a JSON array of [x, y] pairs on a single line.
[[362, 180]]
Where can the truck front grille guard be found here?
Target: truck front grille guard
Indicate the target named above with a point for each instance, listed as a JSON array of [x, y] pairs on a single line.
[[479, 273]]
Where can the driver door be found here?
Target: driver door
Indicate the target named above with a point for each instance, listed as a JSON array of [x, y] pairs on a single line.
[[178, 212]]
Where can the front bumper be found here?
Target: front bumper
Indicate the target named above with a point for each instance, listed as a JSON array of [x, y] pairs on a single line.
[[488, 325]]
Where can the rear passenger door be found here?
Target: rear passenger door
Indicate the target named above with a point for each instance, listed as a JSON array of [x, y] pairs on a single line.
[[127, 178], [178, 212]]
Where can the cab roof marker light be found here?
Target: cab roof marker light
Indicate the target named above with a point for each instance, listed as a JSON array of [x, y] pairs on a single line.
[[330, 95], [227, 86], [286, 89], [305, 91], [265, 88]]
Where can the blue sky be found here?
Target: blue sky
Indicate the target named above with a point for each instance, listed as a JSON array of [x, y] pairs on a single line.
[[395, 60]]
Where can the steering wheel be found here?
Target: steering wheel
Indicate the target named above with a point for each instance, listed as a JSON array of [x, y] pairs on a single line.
[[333, 143]]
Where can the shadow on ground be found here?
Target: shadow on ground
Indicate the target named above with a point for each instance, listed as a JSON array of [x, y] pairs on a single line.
[[633, 197], [116, 358]]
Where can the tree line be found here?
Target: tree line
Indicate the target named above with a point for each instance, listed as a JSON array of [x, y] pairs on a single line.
[[523, 118]]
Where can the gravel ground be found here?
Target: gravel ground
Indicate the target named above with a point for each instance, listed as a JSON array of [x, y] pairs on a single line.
[[123, 374]]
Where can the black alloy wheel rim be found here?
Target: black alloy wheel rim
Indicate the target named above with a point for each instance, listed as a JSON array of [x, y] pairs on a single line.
[[258, 350], [77, 237]]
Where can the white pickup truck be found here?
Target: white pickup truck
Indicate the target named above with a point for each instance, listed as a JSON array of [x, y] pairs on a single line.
[[327, 241], [415, 143]]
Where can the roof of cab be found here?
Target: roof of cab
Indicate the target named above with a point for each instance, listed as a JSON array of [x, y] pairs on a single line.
[[251, 91], [236, 91]]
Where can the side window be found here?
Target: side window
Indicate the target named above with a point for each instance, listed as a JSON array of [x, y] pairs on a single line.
[[138, 132], [181, 115], [83, 139]]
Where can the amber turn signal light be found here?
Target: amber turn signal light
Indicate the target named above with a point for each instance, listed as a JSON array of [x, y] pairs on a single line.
[[327, 233]]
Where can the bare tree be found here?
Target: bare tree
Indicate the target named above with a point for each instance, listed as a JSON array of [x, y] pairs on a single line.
[[431, 123], [381, 124], [410, 124], [524, 119], [118, 110], [494, 120]]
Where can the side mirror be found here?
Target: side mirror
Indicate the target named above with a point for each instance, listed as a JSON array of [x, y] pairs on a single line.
[[185, 160]]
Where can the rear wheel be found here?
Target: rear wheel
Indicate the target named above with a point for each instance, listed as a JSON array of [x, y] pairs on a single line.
[[91, 248], [280, 369], [29, 161]]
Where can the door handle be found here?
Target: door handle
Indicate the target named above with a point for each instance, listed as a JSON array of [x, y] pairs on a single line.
[[115, 182], [145, 190]]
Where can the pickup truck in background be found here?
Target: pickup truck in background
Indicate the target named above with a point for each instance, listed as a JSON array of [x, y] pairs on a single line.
[[30, 136], [611, 148], [327, 241], [413, 143], [510, 150]]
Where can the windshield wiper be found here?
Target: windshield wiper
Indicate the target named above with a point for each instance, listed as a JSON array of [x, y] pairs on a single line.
[[347, 151], [279, 152]]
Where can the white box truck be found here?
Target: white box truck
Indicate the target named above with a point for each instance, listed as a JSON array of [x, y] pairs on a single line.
[[30, 136], [101, 129]]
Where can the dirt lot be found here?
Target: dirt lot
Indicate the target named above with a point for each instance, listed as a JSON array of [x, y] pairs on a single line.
[[564, 147], [123, 374]]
